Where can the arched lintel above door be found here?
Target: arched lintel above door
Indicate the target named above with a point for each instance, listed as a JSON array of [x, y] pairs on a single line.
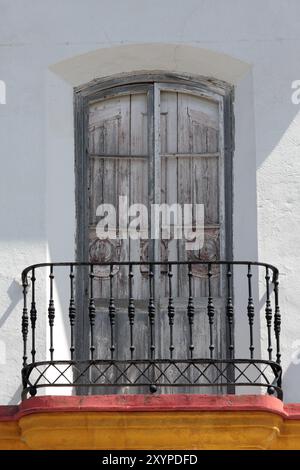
[[180, 58]]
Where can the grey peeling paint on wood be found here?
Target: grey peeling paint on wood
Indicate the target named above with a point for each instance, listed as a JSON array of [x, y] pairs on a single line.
[[196, 82], [198, 154]]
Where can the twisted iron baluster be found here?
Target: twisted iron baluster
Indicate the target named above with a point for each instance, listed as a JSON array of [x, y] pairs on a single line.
[[230, 311], [51, 313], [250, 311], [210, 312], [112, 313], [131, 311], [191, 311], [33, 314], [171, 311], [268, 312], [25, 320], [72, 311], [92, 312], [277, 319], [151, 312]]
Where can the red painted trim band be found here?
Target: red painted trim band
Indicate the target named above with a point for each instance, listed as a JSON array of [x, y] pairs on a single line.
[[134, 403]]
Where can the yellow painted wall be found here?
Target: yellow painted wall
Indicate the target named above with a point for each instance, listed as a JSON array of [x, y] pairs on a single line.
[[151, 430]]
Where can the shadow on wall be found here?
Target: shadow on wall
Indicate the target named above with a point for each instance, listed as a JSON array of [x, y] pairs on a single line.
[[16, 396], [291, 382], [15, 295], [10, 350]]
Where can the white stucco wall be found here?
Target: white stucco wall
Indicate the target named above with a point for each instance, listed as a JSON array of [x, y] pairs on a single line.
[[47, 48]]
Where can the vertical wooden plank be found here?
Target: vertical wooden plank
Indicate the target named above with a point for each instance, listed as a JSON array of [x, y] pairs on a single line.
[[123, 190], [199, 125], [156, 159], [185, 136], [139, 182], [169, 167], [109, 126], [206, 192], [139, 125], [138, 248], [81, 182], [206, 187], [109, 120], [156, 182], [225, 231], [185, 145], [168, 122]]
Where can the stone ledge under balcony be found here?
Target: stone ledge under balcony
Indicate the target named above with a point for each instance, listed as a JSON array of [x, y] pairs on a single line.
[[151, 422]]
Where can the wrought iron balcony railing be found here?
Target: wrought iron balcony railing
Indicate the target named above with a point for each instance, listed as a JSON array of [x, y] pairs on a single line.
[[152, 326]]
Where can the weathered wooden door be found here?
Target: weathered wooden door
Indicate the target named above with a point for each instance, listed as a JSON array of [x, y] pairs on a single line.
[[157, 143]]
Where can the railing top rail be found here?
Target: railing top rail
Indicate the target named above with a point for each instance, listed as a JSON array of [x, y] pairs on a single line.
[[147, 263]]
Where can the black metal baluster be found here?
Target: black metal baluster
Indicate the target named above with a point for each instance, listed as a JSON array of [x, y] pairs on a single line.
[[72, 312], [151, 312], [151, 315], [171, 310], [33, 314], [191, 310], [112, 313], [230, 311], [210, 312], [131, 310], [25, 320], [250, 311], [277, 320], [92, 312], [51, 313], [268, 312]]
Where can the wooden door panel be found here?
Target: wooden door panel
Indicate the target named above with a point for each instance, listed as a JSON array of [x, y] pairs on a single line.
[[118, 131], [118, 167], [190, 172], [139, 125], [198, 125], [109, 125], [189, 130]]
